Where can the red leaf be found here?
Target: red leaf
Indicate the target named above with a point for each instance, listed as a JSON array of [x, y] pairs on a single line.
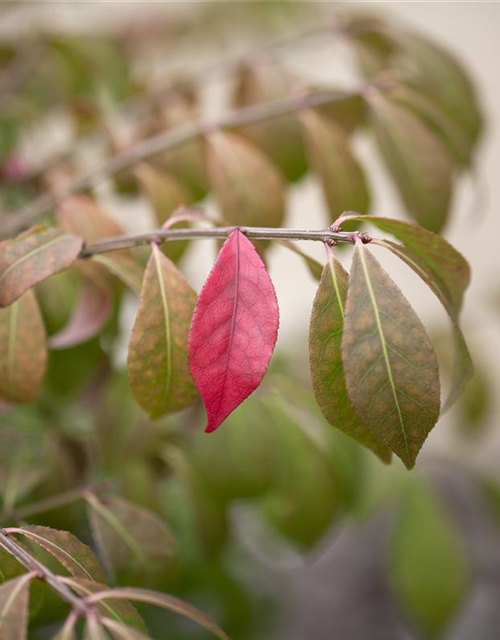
[[234, 329]]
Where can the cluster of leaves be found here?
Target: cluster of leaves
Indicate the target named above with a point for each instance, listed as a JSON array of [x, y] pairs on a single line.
[[373, 368]]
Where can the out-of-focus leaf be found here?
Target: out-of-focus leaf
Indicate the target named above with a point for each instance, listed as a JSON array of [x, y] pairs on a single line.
[[347, 111], [246, 452], [9, 128], [305, 499], [120, 632], [475, 402], [184, 163], [372, 46], [314, 267], [390, 367], [248, 187], [416, 158], [164, 601], [67, 631], [76, 557], [165, 195], [57, 297], [94, 630], [14, 596], [33, 256], [325, 358], [450, 133], [157, 359], [82, 216], [445, 81], [342, 179], [428, 565], [280, 138], [91, 313], [23, 350], [123, 267], [131, 539], [446, 273], [114, 608]]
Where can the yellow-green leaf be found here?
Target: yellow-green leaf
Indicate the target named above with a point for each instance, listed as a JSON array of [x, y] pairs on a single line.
[[325, 358], [157, 359], [428, 573], [417, 160], [390, 366], [123, 267], [341, 176], [33, 256], [23, 350]]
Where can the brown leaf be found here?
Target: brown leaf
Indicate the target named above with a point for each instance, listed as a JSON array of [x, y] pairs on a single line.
[[23, 350], [157, 359], [33, 256], [14, 596], [390, 366], [83, 216], [248, 187]]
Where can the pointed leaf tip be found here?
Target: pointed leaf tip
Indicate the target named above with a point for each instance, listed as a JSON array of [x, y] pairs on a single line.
[[234, 329]]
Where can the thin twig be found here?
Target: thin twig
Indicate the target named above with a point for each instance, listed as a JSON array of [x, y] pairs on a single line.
[[32, 564], [256, 233], [166, 140]]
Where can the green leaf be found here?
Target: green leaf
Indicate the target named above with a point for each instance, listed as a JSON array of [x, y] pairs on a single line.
[[342, 179], [347, 111], [123, 267], [76, 557], [280, 138], [117, 609], [417, 160], [390, 366], [307, 495], [33, 256], [446, 82], [165, 195], [325, 358], [131, 539], [166, 602], [428, 568], [247, 186], [23, 350], [14, 597], [447, 274], [157, 359]]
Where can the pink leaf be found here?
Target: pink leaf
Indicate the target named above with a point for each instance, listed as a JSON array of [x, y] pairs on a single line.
[[91, 313], [234, 329]]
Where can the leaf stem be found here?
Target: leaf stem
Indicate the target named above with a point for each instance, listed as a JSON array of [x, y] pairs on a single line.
[[43, 573], [256, 233]]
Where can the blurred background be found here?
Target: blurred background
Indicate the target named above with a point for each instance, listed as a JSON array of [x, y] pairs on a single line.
[[335, 545]]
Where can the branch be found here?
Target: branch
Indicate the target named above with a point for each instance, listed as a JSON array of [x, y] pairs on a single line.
[[32, 564], [169, 139], [330, 235]]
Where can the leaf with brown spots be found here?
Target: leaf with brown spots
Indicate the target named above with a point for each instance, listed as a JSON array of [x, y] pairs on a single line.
[[341, 176], [157, 359], [420, 165], [23, 350], [248, 187], [14, 597], [390, 366], [446, 273], [33, 256], [325, 358]]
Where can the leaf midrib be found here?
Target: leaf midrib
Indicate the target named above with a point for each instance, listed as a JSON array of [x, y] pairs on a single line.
[[380, 330], [29, 255]]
